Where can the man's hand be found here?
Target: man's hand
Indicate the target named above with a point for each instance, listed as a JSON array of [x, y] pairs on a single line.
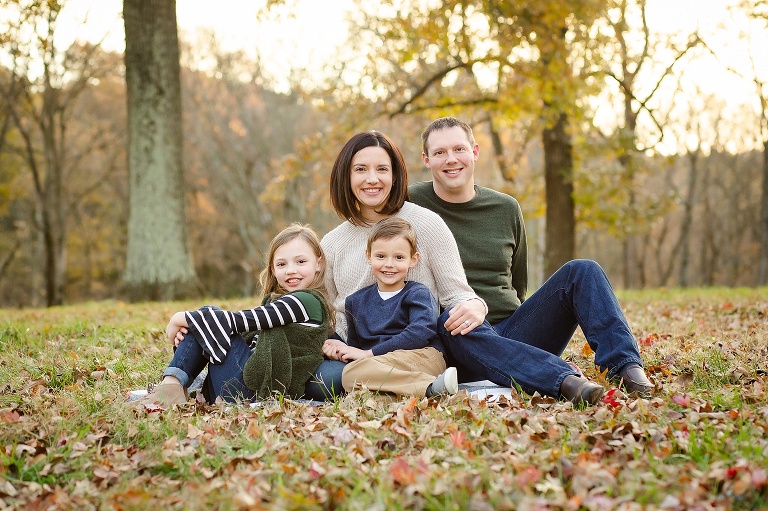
[[177, 328], [464, 317]]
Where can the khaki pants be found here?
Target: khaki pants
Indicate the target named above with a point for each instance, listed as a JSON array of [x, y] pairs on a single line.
[[400, 372]]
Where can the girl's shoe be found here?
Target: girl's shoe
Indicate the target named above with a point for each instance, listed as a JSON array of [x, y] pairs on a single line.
[[163, 394]]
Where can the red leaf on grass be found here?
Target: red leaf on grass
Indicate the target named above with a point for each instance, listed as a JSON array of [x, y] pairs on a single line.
[[649, 340], [316, 471], [459, 439], [402, 472], [527, 477], [682, 400], [610, 398], [11, 416]]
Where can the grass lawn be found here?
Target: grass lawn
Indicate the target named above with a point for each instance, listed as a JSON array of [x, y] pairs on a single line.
[[68, 441]]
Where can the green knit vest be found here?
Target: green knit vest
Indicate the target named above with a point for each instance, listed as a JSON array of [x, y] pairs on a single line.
[[286, 357]]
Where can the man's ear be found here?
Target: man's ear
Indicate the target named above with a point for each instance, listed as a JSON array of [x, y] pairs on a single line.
[[425, 159]]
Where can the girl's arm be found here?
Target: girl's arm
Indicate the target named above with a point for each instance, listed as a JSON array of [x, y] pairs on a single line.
[[213, 327], [177, 328]]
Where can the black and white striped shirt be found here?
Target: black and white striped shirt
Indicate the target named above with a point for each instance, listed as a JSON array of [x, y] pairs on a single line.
[[214, 327]]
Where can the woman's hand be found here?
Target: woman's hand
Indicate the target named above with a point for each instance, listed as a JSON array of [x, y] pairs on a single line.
[[177, 328], [464, 317]]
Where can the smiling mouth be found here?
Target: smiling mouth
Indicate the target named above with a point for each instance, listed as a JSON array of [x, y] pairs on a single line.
[[293, 281]]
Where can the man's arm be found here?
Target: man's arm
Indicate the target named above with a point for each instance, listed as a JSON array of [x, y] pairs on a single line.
[[519, 268]]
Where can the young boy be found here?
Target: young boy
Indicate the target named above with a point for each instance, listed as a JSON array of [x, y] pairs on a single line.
[[392, 343]]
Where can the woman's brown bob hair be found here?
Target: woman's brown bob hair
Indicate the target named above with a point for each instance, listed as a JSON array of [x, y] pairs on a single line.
[[343, 200]]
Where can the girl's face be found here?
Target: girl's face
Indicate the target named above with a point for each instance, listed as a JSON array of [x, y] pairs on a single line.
[[295, 265], [371, 180]]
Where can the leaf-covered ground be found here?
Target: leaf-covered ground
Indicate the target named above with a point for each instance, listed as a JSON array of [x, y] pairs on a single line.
[[68, 441]]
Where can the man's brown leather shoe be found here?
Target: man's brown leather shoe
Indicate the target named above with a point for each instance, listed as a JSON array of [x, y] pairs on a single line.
[[635, 381], [580, 390]]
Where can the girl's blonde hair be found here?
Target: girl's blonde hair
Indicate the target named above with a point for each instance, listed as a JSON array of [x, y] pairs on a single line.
[[290, 233]]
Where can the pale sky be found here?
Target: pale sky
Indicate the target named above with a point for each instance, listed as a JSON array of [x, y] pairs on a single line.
[[311, 38], [305, 41]]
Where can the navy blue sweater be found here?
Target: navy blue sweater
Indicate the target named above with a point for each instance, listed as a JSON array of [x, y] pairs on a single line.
[[406, 321]]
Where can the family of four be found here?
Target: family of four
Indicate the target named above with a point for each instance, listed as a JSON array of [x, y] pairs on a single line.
[[421, 287]]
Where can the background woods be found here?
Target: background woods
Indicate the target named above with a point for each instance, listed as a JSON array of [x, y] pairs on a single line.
[[584, 111]]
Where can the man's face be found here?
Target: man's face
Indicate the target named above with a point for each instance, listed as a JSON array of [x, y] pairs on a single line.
[[451, 158]]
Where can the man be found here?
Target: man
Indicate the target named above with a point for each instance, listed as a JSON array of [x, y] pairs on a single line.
[[490, 233]]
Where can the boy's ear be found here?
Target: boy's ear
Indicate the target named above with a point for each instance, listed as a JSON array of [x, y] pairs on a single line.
[[368, 257], [414, 259]]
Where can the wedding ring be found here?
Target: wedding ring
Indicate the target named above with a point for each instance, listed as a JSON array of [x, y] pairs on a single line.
[[467, 323]]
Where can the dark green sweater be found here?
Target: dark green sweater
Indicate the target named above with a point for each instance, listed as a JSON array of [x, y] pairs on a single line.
[[490, 234], [286, 357]]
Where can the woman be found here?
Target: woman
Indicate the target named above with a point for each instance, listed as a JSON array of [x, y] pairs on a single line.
[[369, 182]]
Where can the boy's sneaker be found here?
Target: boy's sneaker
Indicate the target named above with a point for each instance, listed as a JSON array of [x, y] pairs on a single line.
[[163, 394], [446, 383]]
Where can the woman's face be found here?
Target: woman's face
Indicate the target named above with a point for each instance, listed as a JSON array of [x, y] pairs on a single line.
[[371, 180]]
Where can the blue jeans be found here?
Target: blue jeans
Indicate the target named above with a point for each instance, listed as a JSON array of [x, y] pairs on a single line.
[[525, 348], [225, 379], [325, 384]]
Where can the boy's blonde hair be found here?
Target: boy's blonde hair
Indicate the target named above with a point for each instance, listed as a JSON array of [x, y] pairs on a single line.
[[390, 228], [296, 230]]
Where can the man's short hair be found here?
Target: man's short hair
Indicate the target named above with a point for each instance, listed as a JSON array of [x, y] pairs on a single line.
[[443, 123]]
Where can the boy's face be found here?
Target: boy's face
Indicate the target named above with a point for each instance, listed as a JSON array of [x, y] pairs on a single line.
[[390, 260]]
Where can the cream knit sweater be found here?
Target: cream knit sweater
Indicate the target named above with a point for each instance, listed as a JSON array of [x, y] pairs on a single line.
[[439, 267]]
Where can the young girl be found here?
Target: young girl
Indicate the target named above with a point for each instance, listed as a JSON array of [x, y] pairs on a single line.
[[292, 323], [392, 342]]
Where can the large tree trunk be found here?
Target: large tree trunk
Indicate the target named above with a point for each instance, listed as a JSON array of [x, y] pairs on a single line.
[[558, 181], [159, 264], [685, 228], [762, 278]]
